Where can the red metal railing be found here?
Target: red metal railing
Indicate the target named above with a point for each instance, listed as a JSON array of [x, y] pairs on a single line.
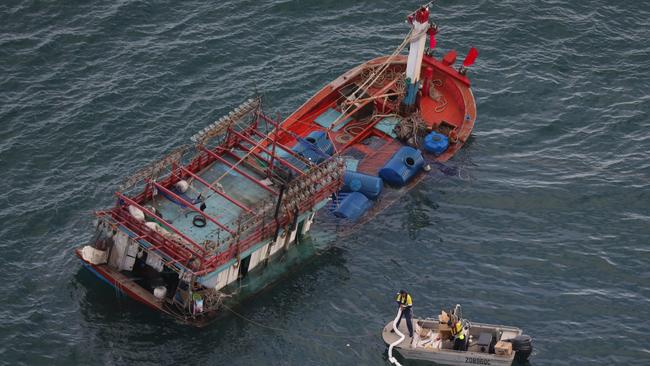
[[184, 250], [175, 251], [216, 190], [207, 261], [238, 170], [256, 145], [199, 248], [283, 147], [266, 231], [193, 208]]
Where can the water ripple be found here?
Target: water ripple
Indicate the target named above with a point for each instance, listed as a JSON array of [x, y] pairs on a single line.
[[545, 225]]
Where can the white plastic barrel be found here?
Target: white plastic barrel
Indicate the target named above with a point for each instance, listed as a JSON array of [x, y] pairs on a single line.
[[182, 186], [160, 292], [136, 213]]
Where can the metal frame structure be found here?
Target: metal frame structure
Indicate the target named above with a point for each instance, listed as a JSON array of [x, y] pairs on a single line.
[[238, 170], [215, 189], [191, 206], [256, 144], [254, 224]]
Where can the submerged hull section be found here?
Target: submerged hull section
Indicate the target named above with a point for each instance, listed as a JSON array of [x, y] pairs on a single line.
[[257, 279]]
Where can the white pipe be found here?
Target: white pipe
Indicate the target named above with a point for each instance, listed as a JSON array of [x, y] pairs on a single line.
[[401, 335]]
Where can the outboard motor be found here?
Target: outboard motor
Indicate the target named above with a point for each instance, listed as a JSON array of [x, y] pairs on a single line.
[[522, 346]]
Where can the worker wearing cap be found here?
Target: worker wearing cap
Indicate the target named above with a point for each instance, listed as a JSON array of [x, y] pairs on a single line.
[[405, 303]]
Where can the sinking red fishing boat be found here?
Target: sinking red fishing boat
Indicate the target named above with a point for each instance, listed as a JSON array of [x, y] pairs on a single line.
[[204, 226]]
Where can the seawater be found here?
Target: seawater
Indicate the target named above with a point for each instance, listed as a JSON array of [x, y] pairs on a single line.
[[545, 225]]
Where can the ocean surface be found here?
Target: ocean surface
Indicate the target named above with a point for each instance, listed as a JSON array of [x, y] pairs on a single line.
[[546, 226]]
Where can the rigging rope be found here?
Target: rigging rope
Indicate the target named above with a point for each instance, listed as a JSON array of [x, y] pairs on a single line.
[[370, 81]]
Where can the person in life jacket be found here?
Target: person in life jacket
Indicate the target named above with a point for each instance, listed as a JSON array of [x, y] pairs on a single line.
[[458, 334], [405, 303]]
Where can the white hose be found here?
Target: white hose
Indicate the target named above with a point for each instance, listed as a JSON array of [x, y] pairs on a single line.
[[392, 359]]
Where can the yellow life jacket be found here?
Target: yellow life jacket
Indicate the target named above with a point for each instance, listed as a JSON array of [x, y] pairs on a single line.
[[404, 300], [457, 330]]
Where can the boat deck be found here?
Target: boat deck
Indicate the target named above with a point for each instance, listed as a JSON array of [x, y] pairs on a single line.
[[390, 337], [232, 182]]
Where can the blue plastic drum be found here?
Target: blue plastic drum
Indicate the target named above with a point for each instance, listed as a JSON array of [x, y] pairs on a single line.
[[403, 166], [353, 206], [436, 143], [315, 147], [369, 185]]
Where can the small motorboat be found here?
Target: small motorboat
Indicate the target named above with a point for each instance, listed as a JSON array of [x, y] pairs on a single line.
[[487, 344]]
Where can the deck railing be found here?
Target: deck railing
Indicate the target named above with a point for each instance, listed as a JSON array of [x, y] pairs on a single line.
[[255, 223]]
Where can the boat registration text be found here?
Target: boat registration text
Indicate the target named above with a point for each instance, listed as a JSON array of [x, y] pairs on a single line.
[[477, 361]]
